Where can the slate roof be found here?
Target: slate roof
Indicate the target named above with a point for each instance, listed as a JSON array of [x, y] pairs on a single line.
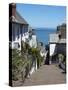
[[55, 39], [18, 19]]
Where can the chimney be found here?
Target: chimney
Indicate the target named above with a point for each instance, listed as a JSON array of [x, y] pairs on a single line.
[[12, 9]]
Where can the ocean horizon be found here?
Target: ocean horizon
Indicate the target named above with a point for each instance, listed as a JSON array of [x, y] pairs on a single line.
[[43, 34]]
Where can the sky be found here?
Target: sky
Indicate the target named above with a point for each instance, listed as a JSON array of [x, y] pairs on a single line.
[[42, 15]]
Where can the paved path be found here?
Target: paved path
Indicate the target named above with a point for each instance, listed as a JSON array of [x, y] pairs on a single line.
[[46, 74]]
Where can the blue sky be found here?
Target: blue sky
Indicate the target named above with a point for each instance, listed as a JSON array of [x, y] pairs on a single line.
[[42, 15]]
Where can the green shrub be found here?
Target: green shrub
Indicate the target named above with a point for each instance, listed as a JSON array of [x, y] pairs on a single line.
[[17, 63], [23, 60], [60, 57], [37, 56]]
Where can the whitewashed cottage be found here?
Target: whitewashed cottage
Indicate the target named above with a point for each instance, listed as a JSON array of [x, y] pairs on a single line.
[[19, 27]]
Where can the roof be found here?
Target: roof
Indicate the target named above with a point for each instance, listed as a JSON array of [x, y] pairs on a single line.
[[62, 41], [18, 19], [54, 38]]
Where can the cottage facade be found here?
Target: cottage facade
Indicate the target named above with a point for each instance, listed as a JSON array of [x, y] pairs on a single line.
[[19, 31], [19, 27], [57, 42]]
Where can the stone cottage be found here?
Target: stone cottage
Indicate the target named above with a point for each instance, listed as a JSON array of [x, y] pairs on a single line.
[[57, 42]]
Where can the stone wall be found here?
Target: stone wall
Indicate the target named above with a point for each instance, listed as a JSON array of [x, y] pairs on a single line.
[[61, 48]]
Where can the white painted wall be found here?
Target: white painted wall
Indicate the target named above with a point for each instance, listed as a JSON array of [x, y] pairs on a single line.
[[25, 36], [52, 48], [33, 41]]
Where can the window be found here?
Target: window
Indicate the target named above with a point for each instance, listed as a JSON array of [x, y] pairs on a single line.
[[25, 28], [22, 30], [18, 28], [13, 32]]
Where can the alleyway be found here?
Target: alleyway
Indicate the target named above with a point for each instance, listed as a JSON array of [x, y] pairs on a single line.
[[46, 74]]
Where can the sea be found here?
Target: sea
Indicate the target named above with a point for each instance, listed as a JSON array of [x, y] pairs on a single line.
[[43, 34]]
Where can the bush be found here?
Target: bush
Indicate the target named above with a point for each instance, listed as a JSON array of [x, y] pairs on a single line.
[[23, 60], [60, 57], [62, 60], [37, 56], [17, 63]]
